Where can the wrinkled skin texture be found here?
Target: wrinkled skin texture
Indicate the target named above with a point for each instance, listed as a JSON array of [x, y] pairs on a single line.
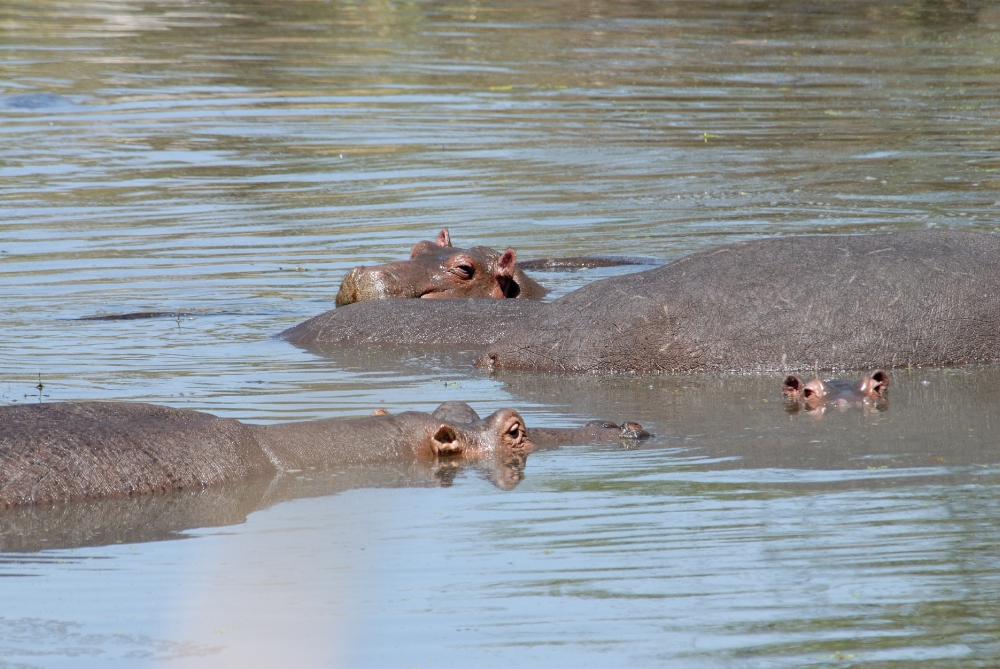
[[797, 303], [65, 451], [438, 270], [473, 323], [841, 394]]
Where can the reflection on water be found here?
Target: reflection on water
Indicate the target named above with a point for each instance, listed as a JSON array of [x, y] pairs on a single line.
[[232, 160]]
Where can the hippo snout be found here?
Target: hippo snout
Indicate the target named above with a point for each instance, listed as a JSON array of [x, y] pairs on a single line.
[[365, 283]]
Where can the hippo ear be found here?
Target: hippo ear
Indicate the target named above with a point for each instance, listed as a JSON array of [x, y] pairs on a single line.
[[446, 442], [443, 238], [505, 276], [875, 384], [505, 264], [381, 411], [791, 386]]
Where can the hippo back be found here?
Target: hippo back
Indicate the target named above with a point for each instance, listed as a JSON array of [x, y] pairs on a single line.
[[63, 451], [458, 323], [832, 302]]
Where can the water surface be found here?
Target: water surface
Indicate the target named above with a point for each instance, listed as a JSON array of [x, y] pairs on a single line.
[[232, 160]]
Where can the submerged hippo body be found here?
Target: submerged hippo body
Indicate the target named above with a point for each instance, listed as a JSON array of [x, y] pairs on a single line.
[[551, 437], [869, 392], [70, 451], [64, 451], [438, 270], [781, 304], [827, 302]]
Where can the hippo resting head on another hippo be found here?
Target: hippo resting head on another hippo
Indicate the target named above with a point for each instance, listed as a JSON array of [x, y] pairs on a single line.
[[919, 298], [842, 394], [65, 451], [436, 269]]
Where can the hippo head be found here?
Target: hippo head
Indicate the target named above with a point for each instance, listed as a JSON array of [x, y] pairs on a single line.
[[436, 269], [795, 389], [817, 394], [501, 433]]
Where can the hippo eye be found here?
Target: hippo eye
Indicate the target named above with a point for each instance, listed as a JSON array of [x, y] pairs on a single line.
[[514, 431], [464, 271]]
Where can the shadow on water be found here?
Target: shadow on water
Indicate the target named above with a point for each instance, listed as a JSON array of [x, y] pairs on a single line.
[[240, 156]]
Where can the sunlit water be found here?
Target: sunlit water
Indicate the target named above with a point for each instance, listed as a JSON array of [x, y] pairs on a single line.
[[232, 160]]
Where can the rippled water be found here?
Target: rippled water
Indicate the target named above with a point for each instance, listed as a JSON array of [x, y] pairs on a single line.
[[231, 160]]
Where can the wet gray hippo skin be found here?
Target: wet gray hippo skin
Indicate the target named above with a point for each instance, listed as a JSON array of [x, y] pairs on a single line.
[[438, 270], [63, 451], [470, 323], [797, 303], [817, 394], [552, 437], [88, 450]]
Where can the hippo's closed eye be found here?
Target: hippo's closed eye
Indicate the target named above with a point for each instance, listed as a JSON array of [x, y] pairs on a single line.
[[463, 270]]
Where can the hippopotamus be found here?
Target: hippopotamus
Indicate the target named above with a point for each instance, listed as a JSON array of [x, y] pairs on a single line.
[[869, 392], [436, 269], [551, 437], [782, 304], [776, 304], [61, 451], [66, 450], [471, 323]]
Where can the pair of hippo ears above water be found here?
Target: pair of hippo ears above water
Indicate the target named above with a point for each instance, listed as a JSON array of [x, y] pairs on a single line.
[[871, 389]]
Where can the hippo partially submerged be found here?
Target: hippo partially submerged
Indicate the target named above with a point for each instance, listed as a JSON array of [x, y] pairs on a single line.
[[436, 269], [817, 394], [51, 452], [831, 302], [550, 437], [780, 304], [439, 270], [64, 451]]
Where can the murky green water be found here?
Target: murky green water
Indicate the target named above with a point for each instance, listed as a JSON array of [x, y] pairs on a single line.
[[232, 160]]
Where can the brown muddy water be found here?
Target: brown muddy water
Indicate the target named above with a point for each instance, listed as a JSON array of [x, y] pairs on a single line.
[[230, 161]]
